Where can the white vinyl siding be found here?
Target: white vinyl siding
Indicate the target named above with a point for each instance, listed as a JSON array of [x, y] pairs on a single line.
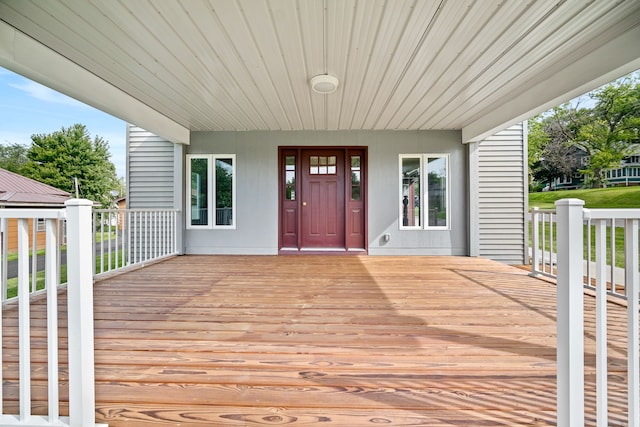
[[150, 166], [501, 205]]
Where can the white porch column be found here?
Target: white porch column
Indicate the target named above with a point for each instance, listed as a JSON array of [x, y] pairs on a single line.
[[80, 313], [570, 313]]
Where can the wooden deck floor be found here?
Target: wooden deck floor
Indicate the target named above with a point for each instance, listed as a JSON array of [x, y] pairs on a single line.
[[305, 340]]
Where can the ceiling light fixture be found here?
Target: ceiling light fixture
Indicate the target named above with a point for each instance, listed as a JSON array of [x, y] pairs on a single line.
[[324, 83]]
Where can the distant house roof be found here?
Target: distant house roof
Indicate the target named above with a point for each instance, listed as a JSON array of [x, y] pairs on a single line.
[[17, 190]]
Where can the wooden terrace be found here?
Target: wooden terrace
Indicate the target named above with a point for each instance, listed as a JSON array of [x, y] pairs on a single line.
[[327, 340]]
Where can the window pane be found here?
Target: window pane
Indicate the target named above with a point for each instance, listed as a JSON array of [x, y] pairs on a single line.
[[224, 191], [199, 191], [355, 193], [355, 178], [290, 184], [410, 202], [437, 191]]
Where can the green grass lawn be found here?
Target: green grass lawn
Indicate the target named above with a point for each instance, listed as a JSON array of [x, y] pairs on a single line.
[[594, 198]]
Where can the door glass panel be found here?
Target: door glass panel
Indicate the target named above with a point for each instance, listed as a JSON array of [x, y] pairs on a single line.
[[410, 202], [331, 165], [355, 178], [322, 165], [224, 191], [290, 176], [437, 191], [199, 191]]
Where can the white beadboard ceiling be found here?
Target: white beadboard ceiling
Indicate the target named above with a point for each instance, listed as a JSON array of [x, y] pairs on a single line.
[[402, 64]]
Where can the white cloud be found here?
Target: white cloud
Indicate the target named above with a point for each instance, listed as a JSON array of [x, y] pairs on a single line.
[[43, 93]]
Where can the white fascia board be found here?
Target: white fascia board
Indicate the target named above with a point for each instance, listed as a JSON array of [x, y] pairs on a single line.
[[28, 57], [613, 60]]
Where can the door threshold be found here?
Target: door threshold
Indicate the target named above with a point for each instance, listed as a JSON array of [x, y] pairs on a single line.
[[322, 251]]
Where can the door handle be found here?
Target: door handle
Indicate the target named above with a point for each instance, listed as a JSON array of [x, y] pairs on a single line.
[[304, 203]]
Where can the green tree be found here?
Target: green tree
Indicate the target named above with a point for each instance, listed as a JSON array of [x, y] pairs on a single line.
[[551, 154], [606, 132], [613, 131], [61, 157], [13, 157]]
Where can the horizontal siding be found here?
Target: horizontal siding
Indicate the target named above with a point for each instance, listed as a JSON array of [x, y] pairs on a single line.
[[501, 196], [150, 170]]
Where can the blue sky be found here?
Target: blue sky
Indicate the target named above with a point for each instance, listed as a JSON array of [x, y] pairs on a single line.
[[28, 108]]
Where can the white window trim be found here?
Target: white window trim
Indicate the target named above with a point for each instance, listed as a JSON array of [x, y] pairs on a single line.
[[211, 196], [424, 199]]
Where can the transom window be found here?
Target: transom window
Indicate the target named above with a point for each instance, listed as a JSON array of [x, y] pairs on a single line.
[[424, 191], [212, 190], [322, 165]]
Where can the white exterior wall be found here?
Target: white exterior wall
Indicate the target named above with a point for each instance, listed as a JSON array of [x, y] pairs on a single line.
[[257, 189], [498, 196]]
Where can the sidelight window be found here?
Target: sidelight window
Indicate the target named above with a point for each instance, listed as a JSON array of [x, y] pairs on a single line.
[[424, 191], [211, 191]]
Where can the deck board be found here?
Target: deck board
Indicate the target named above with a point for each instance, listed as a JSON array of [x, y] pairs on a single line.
[[304, 340]]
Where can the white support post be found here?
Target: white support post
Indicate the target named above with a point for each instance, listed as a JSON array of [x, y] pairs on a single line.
[[535, 239], [570, 314], [632, 287], [80, 313]]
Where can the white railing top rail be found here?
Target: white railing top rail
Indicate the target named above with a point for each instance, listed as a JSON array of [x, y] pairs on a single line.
[[611, 214], [34, 213], [537, 209], [114, 210], [599, 213]]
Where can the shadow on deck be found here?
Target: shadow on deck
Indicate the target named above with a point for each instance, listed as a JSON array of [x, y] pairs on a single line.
[[350, 341]]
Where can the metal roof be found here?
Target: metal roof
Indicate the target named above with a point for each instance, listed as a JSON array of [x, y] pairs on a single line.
[[173, 67], [17, 190]]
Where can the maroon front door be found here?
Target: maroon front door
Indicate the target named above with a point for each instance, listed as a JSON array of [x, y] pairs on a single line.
[[322, 199]]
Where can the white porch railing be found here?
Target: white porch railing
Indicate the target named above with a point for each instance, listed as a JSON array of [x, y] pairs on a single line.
[[559, 250], [80, 313], [128, 237], [96, 242]]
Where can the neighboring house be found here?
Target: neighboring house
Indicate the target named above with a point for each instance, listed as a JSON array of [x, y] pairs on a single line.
[[17, 191], [627, 174], [121, 203]]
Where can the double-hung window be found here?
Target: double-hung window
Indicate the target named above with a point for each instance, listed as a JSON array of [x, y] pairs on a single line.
[[211, 181], [424, 192]]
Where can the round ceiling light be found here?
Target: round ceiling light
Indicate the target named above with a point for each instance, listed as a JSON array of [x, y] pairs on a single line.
[[324, 83]]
